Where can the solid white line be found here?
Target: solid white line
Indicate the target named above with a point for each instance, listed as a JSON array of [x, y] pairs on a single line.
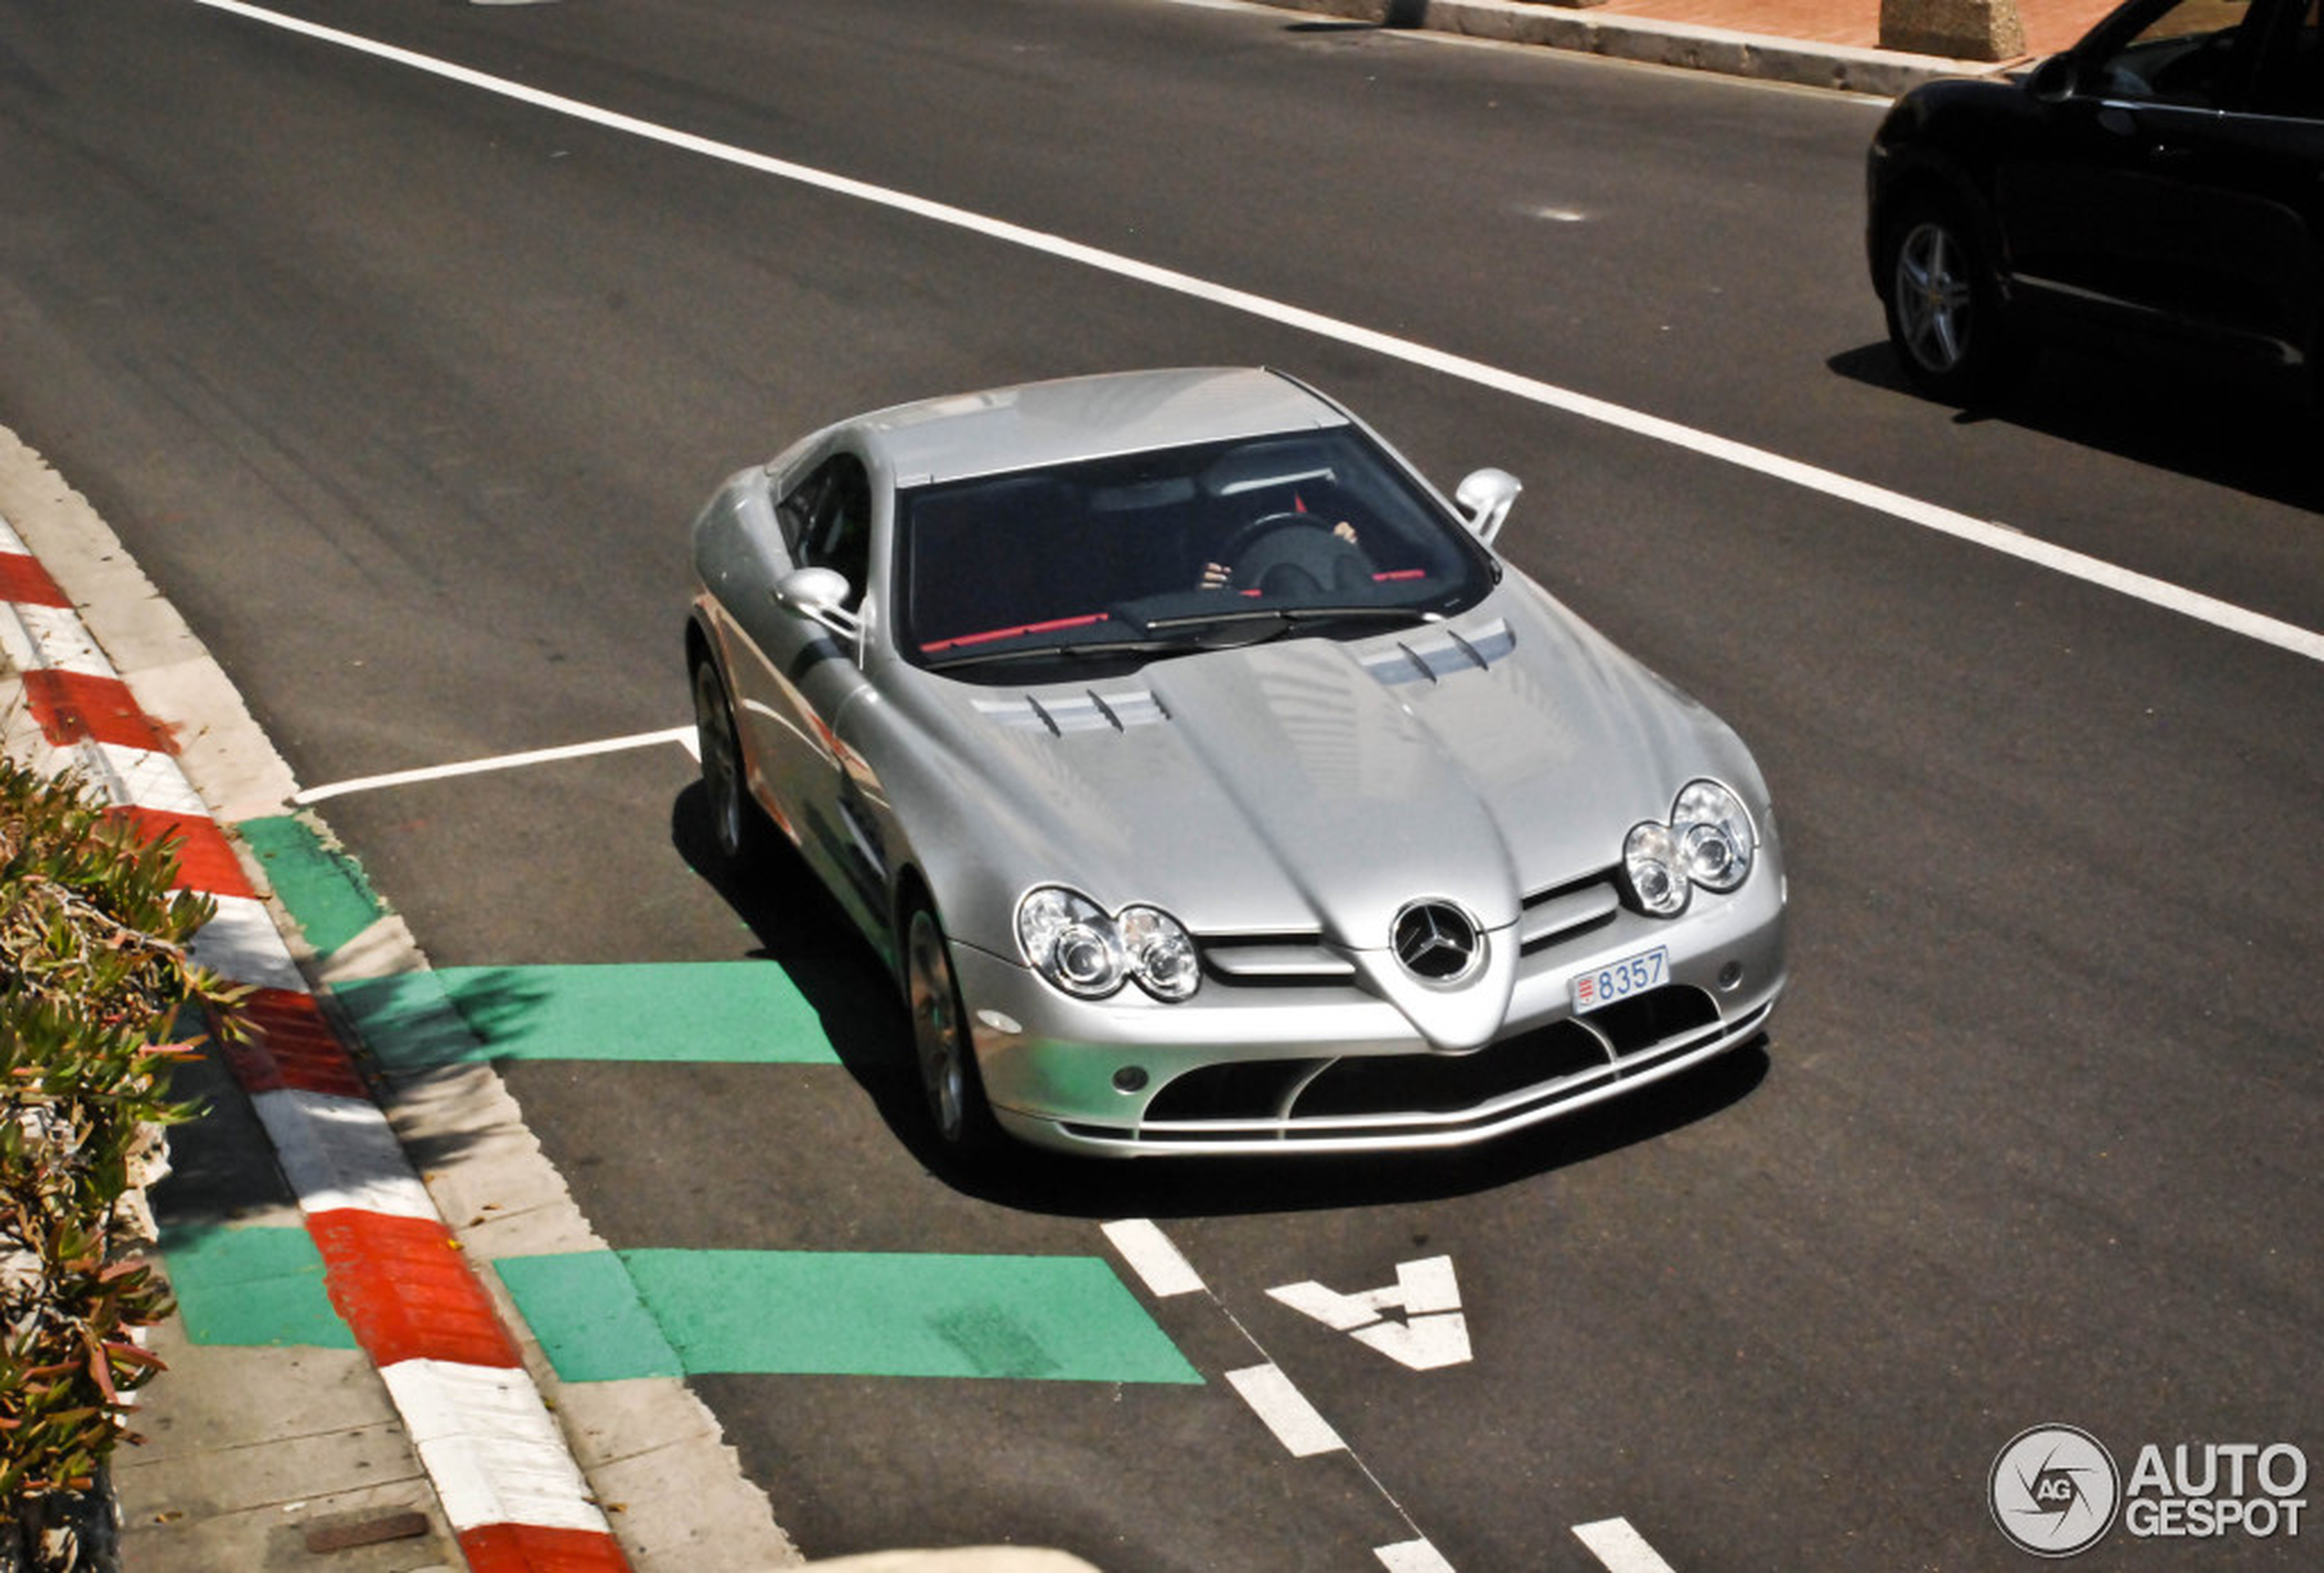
[[1148, 1251], [683, 735], [1294, 1420], [1878, 499], [1621, 1548]]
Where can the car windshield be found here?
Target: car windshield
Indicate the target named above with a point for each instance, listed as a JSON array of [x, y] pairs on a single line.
[[1135, 558]]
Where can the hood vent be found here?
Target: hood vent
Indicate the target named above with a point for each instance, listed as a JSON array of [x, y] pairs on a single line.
[[1089, 712], [1440, 654]]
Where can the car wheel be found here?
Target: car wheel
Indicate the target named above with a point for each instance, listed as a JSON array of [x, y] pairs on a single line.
[[735, 822], [1944, 311], [949, 1083]]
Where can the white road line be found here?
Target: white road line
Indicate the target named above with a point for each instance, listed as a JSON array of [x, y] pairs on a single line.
[[1295, 1422], [681, 736], [1412, 1556], [1878, 499], [1148, 1251], [1621, 1548]]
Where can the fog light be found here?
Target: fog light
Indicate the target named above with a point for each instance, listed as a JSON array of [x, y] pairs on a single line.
[[1729, 976], [1129, 1079]]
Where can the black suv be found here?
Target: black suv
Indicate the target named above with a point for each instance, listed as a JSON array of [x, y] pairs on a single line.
[[2162, 180]]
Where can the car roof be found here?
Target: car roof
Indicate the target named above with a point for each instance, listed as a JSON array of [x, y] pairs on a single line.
[[1035, 425]]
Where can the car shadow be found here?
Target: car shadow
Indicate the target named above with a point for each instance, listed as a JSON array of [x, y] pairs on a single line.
[[2256, 436], [798, 925]]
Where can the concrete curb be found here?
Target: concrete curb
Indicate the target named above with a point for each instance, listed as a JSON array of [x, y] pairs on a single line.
[[506, 1481], [1644, 40]]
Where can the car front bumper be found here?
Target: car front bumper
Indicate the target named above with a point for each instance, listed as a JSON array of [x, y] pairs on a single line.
[[1243, 1069]]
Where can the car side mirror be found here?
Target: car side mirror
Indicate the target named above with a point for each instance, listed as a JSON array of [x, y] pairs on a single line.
[[1487, 497], [2054, 80], [820, 595]]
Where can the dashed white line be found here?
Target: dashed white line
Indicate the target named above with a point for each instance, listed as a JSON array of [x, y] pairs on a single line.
[[1150, 1255], [1297, 1424], [1412, 1556], [1621, 1548], [1877, 498]]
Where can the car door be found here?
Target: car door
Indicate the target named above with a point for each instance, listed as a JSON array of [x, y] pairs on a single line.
[[2156, 193], [788, 700]]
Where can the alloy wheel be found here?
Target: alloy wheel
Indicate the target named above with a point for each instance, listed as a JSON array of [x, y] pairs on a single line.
[[937, 1034], [1934, 297], [721, 760]]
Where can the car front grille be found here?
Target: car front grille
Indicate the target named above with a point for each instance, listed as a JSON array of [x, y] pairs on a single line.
[[1433, 1099], [1546, 918]]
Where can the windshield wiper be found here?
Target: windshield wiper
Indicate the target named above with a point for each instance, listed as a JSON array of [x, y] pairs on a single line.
[[1285, 619], [1087, 650]]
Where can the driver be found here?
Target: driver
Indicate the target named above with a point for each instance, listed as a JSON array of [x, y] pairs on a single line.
[[1220, 576]]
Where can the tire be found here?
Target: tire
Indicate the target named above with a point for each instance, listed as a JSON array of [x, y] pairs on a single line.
[[951, 1088], [1946, 321], [737, 826]]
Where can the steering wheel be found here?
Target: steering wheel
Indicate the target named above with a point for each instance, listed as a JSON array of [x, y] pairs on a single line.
[[1292, 552], [1259, 528]]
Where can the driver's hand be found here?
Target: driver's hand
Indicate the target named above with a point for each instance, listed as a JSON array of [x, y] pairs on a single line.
[[1215, 577]]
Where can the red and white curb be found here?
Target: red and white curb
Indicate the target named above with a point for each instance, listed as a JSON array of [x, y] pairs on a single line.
[[501, 1467]]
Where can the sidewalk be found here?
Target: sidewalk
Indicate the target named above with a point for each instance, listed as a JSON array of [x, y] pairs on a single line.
[[1807, 43]]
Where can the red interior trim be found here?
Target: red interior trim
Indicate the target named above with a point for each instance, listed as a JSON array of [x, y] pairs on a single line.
[[1017, 632]]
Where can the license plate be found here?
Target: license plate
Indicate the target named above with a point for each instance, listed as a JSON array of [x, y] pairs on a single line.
[[1618, 980]]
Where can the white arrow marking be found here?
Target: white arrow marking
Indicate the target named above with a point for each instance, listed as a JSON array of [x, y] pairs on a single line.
[[1425, 1343], [1433, 1332]]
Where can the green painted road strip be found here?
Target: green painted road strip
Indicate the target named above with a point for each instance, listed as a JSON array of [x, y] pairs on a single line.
[[252, 1286], [706, 1012], [321, 886], [1049, 1318]]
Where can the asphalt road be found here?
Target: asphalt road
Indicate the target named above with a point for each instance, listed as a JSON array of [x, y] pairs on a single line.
[[403, 391]]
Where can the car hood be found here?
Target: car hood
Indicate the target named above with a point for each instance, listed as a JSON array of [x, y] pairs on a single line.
[[1314, 787]]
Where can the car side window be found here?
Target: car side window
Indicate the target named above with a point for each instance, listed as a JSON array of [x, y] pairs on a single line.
[[2291, 77], [833, 506], [2184, 55], [797, 508]]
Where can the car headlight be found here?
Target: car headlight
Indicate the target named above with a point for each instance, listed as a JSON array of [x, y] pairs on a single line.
[[1651, 857], [1161, 953], [1709, 842], [1074, 943], [1715, 836]]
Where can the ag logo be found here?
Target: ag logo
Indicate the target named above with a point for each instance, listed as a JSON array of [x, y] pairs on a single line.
[[2054, 1491]]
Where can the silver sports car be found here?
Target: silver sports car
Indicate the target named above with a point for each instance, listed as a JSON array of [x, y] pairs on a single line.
[[1208, 782]]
